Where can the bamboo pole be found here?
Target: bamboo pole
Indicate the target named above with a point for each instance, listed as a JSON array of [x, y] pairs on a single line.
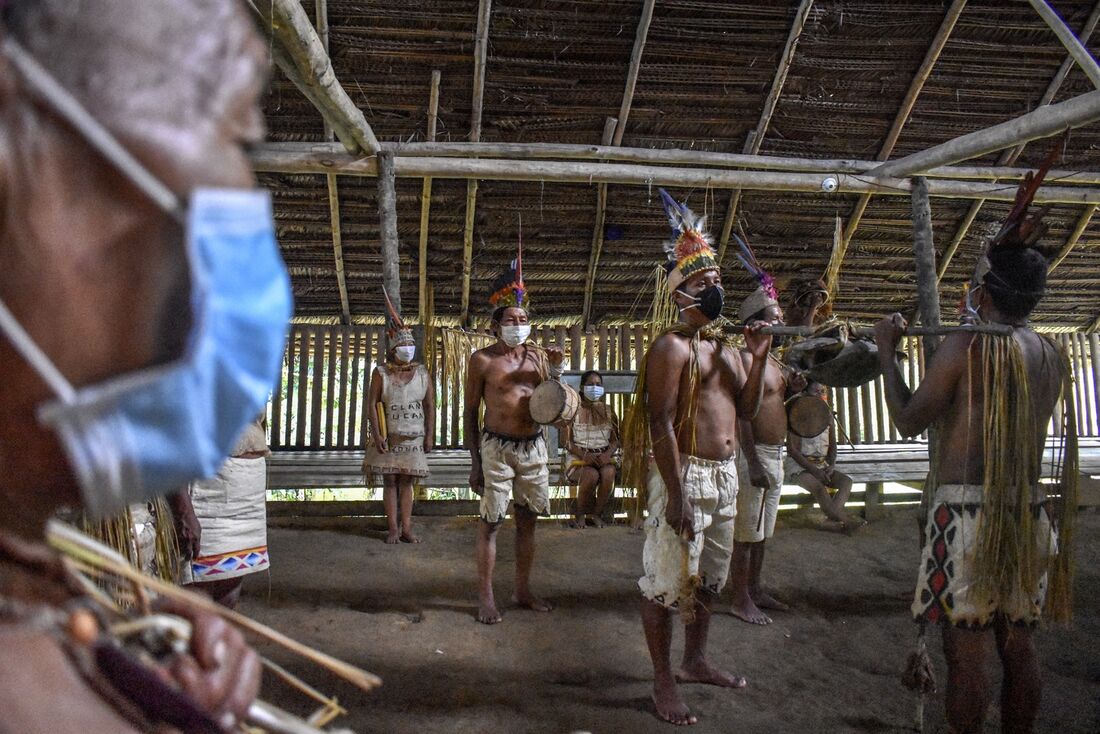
[[1076, 49], [1075, 235], [387, 216], [640, 36], [610, 125], [332, 155], [931, 56], [924, 249], [313, 71], [268, 160], [481, 50], [755, 138], [1093, 326], [1040, 123], [426, 202]]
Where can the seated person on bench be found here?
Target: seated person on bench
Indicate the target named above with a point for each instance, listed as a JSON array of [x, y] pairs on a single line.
[[592, 438]]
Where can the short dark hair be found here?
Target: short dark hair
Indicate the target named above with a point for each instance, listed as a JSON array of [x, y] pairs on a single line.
[[1017, 280], [589, 373]]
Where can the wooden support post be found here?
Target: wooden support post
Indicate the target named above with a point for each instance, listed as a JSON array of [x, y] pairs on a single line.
[[931, 56], [1040, 123], [481, 50], [756, 137], [1076, 49], [925, 256], [597, 232], [387, 216], [307, 64], [872, 501], [426, 203]]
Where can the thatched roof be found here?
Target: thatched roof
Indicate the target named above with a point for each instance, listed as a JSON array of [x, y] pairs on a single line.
[[557, 70]]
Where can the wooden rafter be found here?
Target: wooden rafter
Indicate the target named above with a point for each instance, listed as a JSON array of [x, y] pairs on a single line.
[[426, 200], [613, 131], [1010, 156], [321, 14], [1093, 326], [900, 119], [1074, 236], [303, 58], [1074, 46], [481, 50], [756, 138]]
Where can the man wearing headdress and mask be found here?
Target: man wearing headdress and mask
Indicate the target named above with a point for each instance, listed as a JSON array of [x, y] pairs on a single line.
[[809, 299], [996, 545], [507, 451], [762, 439], [692, 386]]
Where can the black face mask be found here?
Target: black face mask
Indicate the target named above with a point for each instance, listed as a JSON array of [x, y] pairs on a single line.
[[709, 301]]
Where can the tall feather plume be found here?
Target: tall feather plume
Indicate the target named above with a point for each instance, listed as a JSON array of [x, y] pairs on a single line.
[[749, 261], [1020, 230], [517, 265], [683, 222], [394, 316]]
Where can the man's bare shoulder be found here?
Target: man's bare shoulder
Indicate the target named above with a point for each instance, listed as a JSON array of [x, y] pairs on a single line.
[[481, 357], [670, 346]]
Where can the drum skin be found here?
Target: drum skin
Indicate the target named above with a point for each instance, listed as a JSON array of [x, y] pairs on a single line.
[[554, 402], [808, 415]]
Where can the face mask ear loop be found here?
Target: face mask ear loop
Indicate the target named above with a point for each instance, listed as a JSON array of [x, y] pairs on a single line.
[[73, 112], [35, 357]]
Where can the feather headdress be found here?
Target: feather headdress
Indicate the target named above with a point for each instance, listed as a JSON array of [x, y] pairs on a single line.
[[765, 294], [397, 332], [690, 250], [509, 289]]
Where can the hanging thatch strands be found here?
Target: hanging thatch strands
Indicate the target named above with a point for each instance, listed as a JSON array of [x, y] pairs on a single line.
[[662, 309], [458, 345], [832, 271], [120, 533]]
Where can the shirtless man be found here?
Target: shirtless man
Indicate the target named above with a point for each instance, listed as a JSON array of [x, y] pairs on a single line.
[[761, 481], [508, 453], [951, 394]]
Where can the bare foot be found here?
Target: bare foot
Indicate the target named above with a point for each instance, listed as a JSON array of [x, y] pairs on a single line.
[[530, 601], [852, 526], [407, 536], [670, 707], [487, 612], [394, 537], [596, 520], [764, 600], [704, 672], [747, 611], [833, 526], [575, 524]]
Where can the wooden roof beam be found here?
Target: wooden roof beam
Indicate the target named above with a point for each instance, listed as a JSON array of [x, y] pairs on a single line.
[[302, 56], [321, 15], [426, 201], [1009, 156], [756, 138], [481, 50], [1074, 46], [947, 25], [1074, 236], [613, 131]]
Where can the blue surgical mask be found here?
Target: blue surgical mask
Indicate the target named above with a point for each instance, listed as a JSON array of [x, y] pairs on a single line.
[[151, 431], [593, 392]]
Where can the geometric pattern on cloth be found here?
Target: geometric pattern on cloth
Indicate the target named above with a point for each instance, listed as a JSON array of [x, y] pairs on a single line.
[[935, 595], [228, 565]]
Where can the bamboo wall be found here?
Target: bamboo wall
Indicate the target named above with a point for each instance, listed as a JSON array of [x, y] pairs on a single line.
[[319, 402]]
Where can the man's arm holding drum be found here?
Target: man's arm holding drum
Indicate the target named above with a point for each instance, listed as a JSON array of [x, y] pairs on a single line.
[[665, 365]]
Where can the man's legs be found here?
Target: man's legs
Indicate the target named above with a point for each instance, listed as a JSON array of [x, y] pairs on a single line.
[[389, 503], [1022, 688], [525, 557], [967, 695], [226, 592], [760, 597], [405, 483], [657, 625], [587, 478], [487, 612], [743, 607]]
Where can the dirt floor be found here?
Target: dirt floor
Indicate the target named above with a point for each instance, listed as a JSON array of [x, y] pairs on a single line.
[[830, 665]]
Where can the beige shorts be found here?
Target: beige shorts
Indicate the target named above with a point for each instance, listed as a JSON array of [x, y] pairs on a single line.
[[673, 567], [513, 468], [756, 506], [946, 578]]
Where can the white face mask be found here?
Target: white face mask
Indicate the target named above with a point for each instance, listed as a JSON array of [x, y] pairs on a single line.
[[404, 353], [593, 392], [515, 335]]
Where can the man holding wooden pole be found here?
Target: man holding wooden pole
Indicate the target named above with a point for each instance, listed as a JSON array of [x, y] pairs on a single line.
[[995, 554]]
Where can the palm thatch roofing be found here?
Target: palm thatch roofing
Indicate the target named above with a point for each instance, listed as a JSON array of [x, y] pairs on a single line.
[[556, 70]]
